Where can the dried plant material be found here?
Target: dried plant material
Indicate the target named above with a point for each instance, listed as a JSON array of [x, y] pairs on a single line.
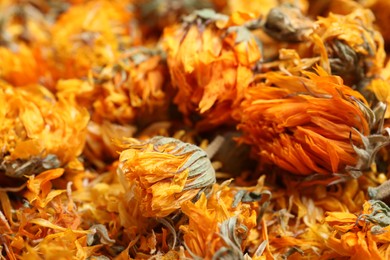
[[363, 235], [155, 15], [344, 45], [21, 66], [162, 173], [47, 222], [380, 8], [295, 123], [100, 147], [38, 131], [380, 89], [258, 8], [354, 48], [219, 225], [133, 89], [288, 220], [97, 32], [24, 34], [113, 150], [210, 57], [261, 8], [287, 23]]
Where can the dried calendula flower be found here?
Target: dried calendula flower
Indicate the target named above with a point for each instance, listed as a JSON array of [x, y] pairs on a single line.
[[219, 225], [361, 236], [292, 226], [155, 15], [312, 124], [91, 34], [210, 58], [354, 49], [131, 89], [381, 9], [38, 131], [345, 45], [24, 33], [288, 23], [161, 173], [380, 89]]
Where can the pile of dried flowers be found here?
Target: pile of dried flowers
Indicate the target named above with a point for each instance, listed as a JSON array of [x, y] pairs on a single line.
[[211, 129]]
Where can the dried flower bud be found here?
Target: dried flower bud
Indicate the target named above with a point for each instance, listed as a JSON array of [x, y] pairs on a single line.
[[287, 23], [312, 124], [38, 130], [83, 43], [352, 232], [210, 58], [218, 226], [164, 172]]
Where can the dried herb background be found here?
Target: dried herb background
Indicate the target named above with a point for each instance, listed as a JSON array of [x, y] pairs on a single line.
[[182, 129]]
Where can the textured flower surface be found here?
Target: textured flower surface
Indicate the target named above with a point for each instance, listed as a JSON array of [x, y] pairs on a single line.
[[306, 125], [131, 90], [345, 45], [99, 29], [38, 130], [163, 172], [24, 35], [156, 129], [219, 225], [210, 59], [364, 235]]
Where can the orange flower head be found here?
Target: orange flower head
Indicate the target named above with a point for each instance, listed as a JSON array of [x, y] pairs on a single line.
[[311, 124], [219, 225], [363, 235], [155, 15], [354, 48], [210, 58], [131, 90], [345, 45], [38, 131], [379, 89], [91, 34], [24, 33], [163, 172], [381, 9]]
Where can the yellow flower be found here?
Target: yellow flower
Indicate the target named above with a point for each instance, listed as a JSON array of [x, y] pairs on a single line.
[[129, 93], [24, 33], [161, 173], [354, 48], [381, 89], [210, 58], [344, 45], [38, 131], [306, 124], [131, 89], [362, 236], [219, 224], [381, 10], [90, 34]]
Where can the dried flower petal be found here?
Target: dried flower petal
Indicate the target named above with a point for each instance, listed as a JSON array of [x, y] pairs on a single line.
[[163, 173], [210, 58], [38, 132], [295, 123]]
